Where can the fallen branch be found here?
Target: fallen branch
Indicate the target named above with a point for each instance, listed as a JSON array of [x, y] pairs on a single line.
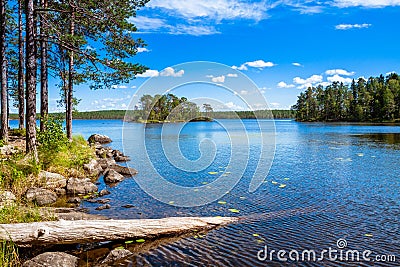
[[86, 231]]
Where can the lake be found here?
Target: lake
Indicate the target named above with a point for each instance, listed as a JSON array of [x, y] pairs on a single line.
[[341, 182]]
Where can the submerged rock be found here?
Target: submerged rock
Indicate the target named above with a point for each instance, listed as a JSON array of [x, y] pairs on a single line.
[[117, 255], [41, 196], [112, 176], [52, 259], [74, 200], [99, 138], [80, 186], [104, 207], [53, 180], [104, 192]]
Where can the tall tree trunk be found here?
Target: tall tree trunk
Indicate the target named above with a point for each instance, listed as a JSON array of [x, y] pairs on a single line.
[[69, 96], [3, 61], [21, 92], [44, 91], [31, 67]]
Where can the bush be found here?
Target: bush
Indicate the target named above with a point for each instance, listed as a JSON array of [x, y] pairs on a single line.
[[53, 138], [9, 254]]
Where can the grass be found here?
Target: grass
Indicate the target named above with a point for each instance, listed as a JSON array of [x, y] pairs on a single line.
[[9, 254]]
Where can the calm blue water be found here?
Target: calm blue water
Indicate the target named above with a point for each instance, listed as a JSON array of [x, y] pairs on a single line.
[[342, 181]]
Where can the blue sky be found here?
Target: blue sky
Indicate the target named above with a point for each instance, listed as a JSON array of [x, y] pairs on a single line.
[[283, 46]]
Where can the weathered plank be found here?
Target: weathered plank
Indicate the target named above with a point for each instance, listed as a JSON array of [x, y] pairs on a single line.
[[86, 231]]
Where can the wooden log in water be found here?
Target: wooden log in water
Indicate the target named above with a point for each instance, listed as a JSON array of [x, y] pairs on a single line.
[[86, 231]]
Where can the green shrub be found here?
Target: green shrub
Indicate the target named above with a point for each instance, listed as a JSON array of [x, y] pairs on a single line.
[[53, 138], [9, 254]]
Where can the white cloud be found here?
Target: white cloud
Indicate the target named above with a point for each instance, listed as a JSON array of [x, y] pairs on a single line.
[[148, 74], [254, 64], [119, 86], [170, 72], [232, 106], [232, 75], [297, 64], [142, 50], [219, 79], [195, 30], [144, 23], [285, 85], [244, 92], [340, 79], [366, 3], [305, 83], [352, 26], [339, 72], [213, 9]]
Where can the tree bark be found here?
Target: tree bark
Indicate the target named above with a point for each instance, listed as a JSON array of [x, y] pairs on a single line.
[[31, 66], [69, 96], [84, 231], [3, 63], [21, 91], [44, 91]]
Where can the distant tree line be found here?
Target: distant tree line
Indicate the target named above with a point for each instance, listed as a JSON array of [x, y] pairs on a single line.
[[376, 99]]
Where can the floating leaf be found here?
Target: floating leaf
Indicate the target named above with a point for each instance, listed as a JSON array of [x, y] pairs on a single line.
[[369, 235], [228, 172], [86, 197], [242, 198], [195, 190], [259, 241], [120, 247], [286, 179], [265, 181], [195, 236], [222, 202], [221, 171], [204, 182], [282, 186], [129, 242], [140, 240], [171, 202], [360, 154], [273, 182], [255, 235], [213, 173], [201, 236], [225, 175], [234, 210]]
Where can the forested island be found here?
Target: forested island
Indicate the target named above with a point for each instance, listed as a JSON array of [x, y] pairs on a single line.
[[374, 100]]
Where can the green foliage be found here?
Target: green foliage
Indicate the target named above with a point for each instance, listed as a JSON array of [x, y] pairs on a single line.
[[54, 138], [21, 214], [2, 143], [18, 132], [377, 99], [9, 254], [168, 107]]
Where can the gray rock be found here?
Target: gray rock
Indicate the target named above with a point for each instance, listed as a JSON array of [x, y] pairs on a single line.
[[53, 180], [121, 158], [103, 201], [60, 191], [113, 177], [104, 207], [104, 192], [74, 200], [80, 186], [99, 138], [41, 196], [104, 163], [123, 170], [116, 255], [6, 198], [52, 259], [93, 168], [8, 150]]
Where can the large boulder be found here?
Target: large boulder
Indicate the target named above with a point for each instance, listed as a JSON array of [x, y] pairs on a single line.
[[41, 196], [80, 186], [6, 198], [104, 163], [112, 176], [99, 138], [117, 255], [93, 168], [52, 259], [123, 170], [53, 180]]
